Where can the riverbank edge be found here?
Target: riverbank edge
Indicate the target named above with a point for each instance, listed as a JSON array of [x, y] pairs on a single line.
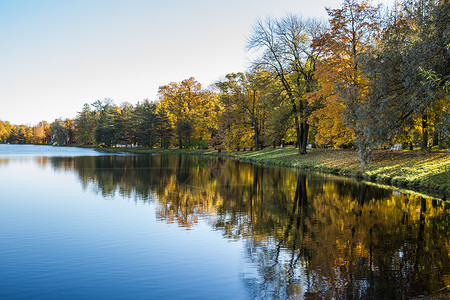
[[420, 171]]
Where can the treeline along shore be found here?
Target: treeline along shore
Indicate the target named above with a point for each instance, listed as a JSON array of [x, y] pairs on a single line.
[[368, 80]]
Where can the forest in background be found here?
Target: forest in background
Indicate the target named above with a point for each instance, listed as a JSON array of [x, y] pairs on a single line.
[[368, 78]]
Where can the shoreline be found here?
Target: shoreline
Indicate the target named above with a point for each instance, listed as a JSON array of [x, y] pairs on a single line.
[[415, 170]]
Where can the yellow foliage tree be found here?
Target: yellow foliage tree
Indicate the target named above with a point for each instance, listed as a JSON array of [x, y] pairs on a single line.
[[190, 110]]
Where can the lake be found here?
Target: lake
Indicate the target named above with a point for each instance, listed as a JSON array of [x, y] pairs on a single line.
[[75, 223]]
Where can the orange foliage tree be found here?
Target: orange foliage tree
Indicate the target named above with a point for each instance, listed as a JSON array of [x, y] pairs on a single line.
[[344, 87]]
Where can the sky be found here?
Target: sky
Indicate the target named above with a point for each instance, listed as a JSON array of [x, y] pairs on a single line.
[[57, 55]]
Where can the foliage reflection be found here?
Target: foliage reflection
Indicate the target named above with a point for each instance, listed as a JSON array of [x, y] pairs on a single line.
[[306, 235]]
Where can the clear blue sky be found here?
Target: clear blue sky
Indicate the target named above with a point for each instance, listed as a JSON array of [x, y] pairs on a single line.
[[57, 55]]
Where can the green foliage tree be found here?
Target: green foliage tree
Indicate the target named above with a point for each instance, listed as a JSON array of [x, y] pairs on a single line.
[[148, 119], [164, 128], [70, 127], [125, 125], [413, 40], [105, 132], [59, 132], [184, 130], [85, 124]]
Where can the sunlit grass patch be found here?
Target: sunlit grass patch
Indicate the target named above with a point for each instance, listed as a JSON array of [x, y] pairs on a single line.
[[405, 169]]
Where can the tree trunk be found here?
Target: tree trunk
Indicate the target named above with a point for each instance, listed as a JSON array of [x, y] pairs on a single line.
[[299, 134], [255, 127], [304, 137], [294, 111], [435, 138], [303, 130], [424, 132]]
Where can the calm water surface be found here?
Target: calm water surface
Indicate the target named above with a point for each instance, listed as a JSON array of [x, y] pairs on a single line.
[[77, 224]]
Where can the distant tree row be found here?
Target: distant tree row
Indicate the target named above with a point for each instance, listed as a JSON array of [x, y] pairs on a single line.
[[367, 79], [22, 134]]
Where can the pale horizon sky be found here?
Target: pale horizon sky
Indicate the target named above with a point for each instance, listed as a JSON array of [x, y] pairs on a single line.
[[58, 55]]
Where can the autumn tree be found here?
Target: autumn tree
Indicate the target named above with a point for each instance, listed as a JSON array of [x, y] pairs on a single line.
[[40, 133], [28, 134], [17, 134], [207, 118], [286, 53], [241, 96], [351, 29], [70, 128], [185, 105], [46, 126], [5, 130], [234, 133]]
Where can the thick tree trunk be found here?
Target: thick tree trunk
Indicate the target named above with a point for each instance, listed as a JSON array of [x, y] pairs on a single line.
[[303, 137]]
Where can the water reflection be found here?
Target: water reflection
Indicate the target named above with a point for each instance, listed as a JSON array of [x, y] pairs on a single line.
[[306, 235]]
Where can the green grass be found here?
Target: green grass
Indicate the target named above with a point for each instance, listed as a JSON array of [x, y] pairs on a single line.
[[406, 169]]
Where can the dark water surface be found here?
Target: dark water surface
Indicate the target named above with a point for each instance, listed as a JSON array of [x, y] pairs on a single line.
[[78, 225]]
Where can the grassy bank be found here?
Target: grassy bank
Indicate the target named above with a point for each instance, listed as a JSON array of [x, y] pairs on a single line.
[[408, 169]]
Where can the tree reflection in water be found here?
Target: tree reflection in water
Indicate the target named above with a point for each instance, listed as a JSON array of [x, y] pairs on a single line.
[[306, 235]]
